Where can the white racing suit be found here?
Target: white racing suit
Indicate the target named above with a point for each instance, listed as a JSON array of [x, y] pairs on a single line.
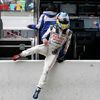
[[56, 40]]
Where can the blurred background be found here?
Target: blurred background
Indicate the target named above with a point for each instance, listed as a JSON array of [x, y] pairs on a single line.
[[17, 14]]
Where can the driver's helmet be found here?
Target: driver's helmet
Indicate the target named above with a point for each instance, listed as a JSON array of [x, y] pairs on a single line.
[[63, 20]]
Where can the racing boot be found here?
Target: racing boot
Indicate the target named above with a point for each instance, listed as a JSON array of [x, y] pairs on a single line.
[[16, 57], [36, 93]]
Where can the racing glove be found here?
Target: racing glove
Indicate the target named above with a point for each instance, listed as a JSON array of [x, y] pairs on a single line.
[[55, 51], [61, 59]]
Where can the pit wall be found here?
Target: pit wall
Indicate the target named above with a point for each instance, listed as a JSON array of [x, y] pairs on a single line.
[[70, 80]]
